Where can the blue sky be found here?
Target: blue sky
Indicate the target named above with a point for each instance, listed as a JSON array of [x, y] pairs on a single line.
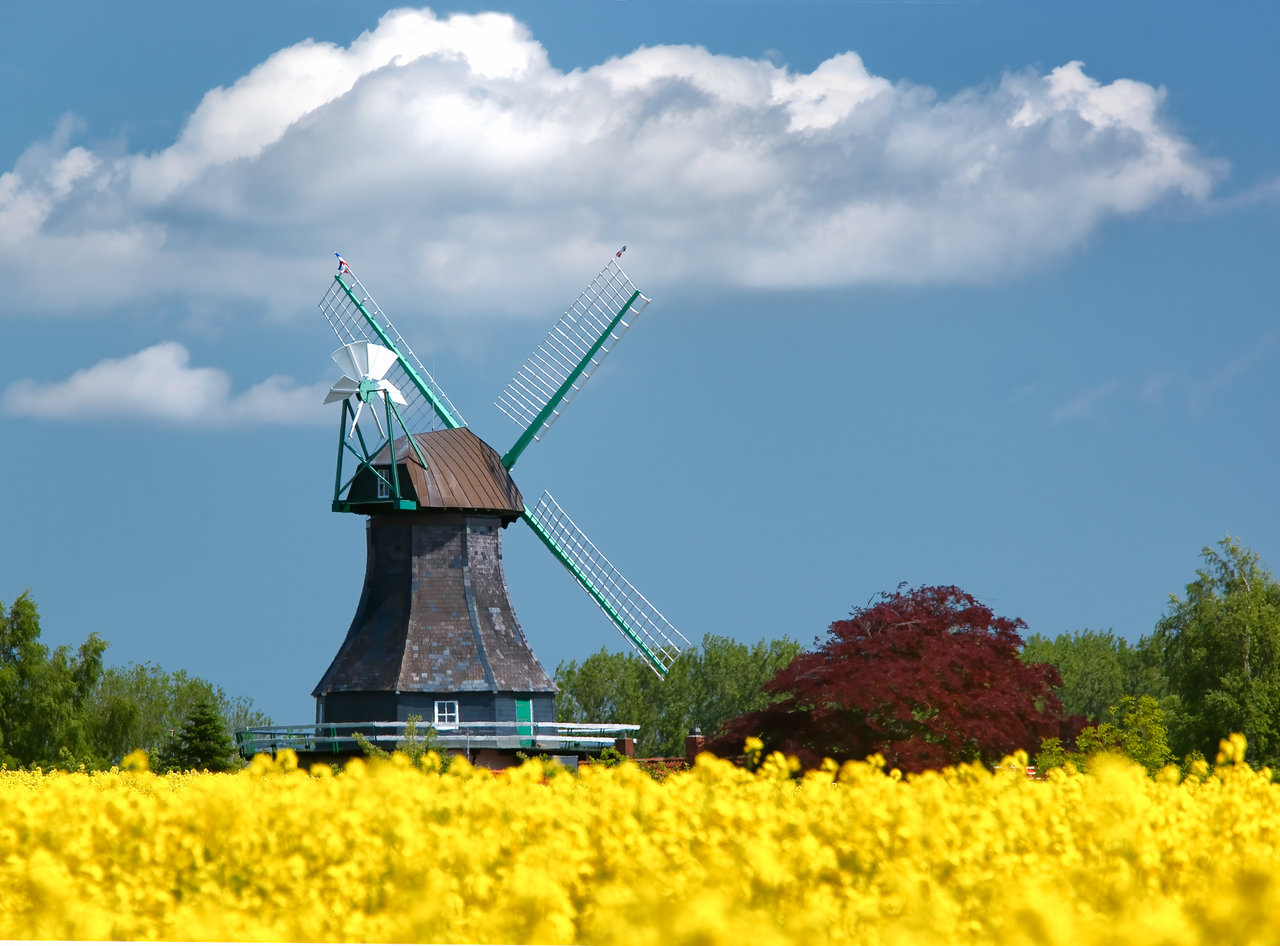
[[971, 293]]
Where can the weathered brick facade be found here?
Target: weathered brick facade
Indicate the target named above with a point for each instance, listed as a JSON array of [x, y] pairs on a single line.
[[435, 622]]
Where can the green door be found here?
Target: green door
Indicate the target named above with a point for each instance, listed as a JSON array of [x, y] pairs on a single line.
[[524, 722]]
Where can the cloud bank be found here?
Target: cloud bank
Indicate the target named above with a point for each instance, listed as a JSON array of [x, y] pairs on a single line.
[[447, 156], [159, 384]]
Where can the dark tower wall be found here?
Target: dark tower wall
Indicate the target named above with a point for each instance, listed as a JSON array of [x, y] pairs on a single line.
[[434, 623]]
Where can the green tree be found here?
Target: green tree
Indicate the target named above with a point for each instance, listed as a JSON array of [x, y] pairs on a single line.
[[1097, 669], [413, 745], [202, 743], [141, 706], [64, 709], [1220, 650], [44, 697], [706, 685], [1143, 731], [1135, 727]]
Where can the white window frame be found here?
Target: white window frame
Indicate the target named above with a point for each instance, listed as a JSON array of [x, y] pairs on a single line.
[[446, 712], [384, 486]]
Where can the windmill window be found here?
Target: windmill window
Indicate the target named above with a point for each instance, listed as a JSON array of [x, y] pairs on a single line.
[[446, 711], [384, 487]]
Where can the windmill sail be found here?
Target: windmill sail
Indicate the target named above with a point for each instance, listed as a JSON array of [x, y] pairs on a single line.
[[556, 370], [356, 317], [655, 638]]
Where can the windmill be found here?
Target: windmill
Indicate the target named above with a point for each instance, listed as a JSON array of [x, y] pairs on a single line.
[[434, 633]]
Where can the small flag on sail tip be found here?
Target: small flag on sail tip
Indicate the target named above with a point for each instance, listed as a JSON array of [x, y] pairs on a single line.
[[621, 251], [344, 268]]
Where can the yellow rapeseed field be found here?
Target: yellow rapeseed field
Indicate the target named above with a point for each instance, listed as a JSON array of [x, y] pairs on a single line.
[[387, 852]]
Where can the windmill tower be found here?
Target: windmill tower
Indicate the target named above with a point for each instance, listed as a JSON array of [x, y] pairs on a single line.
[[434, 633]]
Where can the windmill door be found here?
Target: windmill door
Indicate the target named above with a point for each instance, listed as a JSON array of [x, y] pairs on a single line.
[[524, 722]]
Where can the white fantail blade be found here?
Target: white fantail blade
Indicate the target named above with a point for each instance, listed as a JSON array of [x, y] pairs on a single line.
[[353, 359], [350, 387], [355, 317], [356, 419], [393, 392], [343, 389], [381, 360], [364, 360]]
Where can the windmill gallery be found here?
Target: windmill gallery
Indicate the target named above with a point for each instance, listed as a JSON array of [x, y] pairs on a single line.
[[434, 634]]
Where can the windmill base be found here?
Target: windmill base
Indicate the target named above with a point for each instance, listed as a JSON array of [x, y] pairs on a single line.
[[435, 635], [488, 744]]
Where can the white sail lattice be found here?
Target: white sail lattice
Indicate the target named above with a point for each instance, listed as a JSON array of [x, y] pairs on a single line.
[[350, 325], [586, 325], [651, 630]]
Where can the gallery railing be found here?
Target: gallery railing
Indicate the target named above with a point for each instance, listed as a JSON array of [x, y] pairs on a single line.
[[340, 738]]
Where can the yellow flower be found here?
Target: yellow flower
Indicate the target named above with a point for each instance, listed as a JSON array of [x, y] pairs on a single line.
[[716, 854], [1231, 750]]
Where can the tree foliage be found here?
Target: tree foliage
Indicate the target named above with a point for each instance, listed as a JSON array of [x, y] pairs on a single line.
[[1098, 669], [63, 709], [926, 677], [45, 697], [705, 686], [414, 745], [1135, 727], [202, 743], [142, 706], [1220, 650]]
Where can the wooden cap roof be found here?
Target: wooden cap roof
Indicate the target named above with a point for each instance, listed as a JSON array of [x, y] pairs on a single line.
[[463, 472]]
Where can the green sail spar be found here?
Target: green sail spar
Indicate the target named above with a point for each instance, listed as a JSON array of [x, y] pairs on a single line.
[[574, 347], [654, 638], [354, 316], [356, 319], [534, 399]]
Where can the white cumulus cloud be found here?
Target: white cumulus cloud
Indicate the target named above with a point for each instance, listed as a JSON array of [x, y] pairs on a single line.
[[446, 156], [159, 383]]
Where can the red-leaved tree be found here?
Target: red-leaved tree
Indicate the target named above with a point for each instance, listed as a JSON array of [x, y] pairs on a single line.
[[927, 677]]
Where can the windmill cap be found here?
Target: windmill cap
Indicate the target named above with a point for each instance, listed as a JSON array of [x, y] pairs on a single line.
[[462, 473]]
